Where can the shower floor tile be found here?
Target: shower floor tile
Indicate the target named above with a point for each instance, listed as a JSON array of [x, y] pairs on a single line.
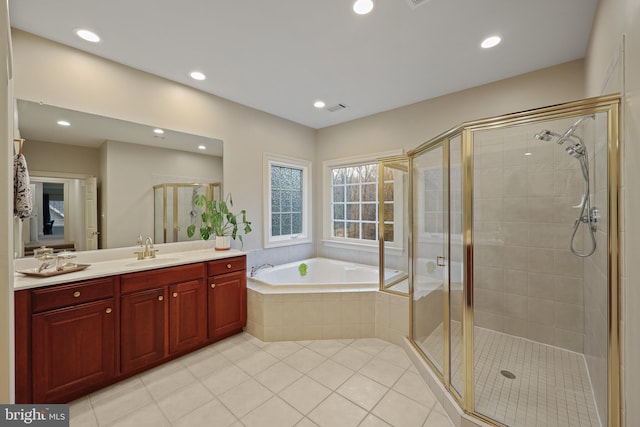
[[551, 385]]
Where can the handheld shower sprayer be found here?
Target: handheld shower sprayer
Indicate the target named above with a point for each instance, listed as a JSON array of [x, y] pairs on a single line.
[[569, 132], [577, 149]]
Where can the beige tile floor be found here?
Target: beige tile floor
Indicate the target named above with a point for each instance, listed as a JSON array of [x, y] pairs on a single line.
[[551, 388], [242, 381]]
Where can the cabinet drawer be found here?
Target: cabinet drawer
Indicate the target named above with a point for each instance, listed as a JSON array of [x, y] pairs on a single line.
[[72, 294], [165, 276], [227, 265]]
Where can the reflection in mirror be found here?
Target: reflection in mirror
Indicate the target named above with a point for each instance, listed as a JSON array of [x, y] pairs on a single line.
[[175, 209], [107, 169], [394, 224]]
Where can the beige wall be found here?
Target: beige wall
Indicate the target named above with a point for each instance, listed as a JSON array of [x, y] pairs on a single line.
[[407, 127], [608, 69], [48, 157], [66, 77]]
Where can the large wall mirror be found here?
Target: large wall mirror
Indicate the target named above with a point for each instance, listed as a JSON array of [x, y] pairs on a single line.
[[93, 177]]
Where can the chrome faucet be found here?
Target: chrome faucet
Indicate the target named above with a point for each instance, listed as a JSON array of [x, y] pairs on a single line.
[[255, 269], [148, 251]]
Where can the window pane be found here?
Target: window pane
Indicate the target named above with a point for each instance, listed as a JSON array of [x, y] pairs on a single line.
[[296, 201], [369, 192], [388, 232], [388, 191], [338, 229], [285, 225], [352, 175], [353, 230], [338, 211], [388, 212], [369, 212], [369, 231], [275, 225], [296, 223], [353, 211], [285, 201], [276, 177], [286, 178], [296, 179], [337, 175], [353, 193], [338, 194], [275, 201], [369, 173]]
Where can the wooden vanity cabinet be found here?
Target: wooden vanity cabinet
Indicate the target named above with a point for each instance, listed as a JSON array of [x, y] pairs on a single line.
[[72, 331], [76, 338], [163, 312], [227, 297]]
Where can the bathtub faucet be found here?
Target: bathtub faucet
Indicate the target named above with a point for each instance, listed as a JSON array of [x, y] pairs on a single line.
[[255, 269]]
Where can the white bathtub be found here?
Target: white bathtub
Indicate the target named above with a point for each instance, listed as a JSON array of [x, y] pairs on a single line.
[[323, 275]]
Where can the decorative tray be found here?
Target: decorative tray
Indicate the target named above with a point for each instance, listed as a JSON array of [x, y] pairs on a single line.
[[33, 272]]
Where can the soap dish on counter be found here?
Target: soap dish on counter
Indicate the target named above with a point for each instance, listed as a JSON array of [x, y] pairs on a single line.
[[48, 273]]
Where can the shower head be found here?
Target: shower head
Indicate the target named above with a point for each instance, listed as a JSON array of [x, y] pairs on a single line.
[[543, 135]]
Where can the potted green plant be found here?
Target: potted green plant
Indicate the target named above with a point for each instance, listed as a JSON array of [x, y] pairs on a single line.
[[218, 220]]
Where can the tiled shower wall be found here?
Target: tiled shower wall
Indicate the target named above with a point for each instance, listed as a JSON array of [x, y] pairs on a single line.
[[527, 282]]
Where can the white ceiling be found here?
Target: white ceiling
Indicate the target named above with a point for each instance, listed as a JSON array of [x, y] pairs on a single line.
[[279, 56]]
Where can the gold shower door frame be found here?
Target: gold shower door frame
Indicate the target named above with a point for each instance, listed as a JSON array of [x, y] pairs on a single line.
[[606, 104]]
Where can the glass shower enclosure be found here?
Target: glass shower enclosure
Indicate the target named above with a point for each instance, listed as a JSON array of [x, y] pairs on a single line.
[[514, 276]]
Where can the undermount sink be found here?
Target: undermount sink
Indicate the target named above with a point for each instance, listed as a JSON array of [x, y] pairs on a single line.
[[151, 261]]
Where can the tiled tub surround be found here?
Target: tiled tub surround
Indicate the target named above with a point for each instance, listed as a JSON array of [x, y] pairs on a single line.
[[327, 315], [335, 299]]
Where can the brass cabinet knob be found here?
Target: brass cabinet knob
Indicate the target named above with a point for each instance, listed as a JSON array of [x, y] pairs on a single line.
[[160, 298], [76, 294], [175, 294], [108, 310], [228, 265], [213, 285]]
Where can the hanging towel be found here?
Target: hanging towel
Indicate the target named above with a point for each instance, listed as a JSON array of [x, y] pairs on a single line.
[[22, 200]]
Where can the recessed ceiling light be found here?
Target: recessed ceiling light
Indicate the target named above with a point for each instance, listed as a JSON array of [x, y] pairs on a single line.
[[362, 7], [87, 35], [490, 42], [201, 147], [318, 104], [197, 75], [158, 131], [528, 154], [63, 123]]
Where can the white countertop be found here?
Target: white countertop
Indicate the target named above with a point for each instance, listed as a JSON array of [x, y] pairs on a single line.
[[109, 262]]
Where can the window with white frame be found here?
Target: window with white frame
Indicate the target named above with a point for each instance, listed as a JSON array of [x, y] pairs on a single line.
[[351, 203], [287, 200]]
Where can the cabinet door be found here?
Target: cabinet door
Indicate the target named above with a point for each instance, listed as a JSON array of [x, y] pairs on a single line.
[[142, 331], [73, 350], [187, 315], [227, 304]]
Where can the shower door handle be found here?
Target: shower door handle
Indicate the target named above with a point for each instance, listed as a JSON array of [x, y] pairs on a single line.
[[440, 261]]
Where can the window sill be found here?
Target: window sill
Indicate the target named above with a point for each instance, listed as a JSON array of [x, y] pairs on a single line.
[[288, 242], [361, 247]]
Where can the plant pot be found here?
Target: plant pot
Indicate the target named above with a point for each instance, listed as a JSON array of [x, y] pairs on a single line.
[[223, 243]]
